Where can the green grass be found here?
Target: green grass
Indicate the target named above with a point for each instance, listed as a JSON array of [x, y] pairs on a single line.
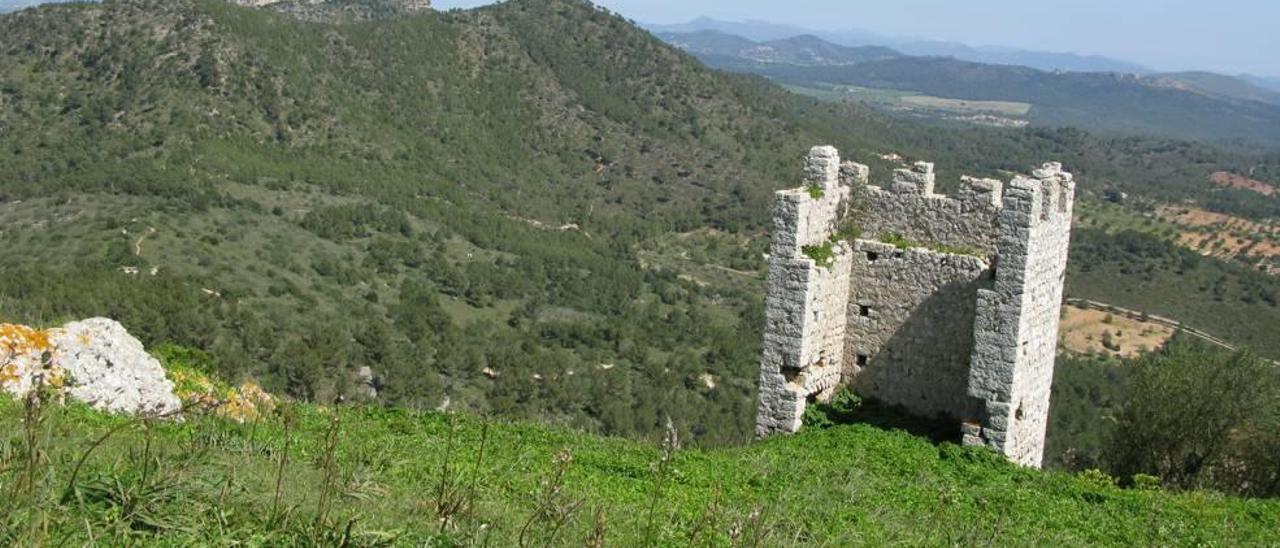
[[1007, 108], [822, 255], [902, 242], [377, 478], [893, 98]]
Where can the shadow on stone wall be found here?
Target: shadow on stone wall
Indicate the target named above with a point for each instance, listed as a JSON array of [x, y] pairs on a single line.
[[923, 369]]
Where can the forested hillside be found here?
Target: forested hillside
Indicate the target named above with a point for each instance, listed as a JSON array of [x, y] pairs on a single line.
[[533, 209]]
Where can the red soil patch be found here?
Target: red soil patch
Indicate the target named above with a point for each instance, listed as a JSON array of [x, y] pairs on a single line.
[[1231, 180], [1226, 237]]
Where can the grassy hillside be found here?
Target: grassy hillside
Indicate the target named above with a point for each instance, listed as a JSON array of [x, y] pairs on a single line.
[[490, 216], [426, 478]]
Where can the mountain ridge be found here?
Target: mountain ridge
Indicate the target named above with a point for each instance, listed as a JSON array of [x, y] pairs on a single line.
[[766, 31], [1182, 105], [805, 49]]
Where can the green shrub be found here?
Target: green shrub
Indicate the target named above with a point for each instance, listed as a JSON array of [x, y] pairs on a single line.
[[1193, 415], [1144, 482], [848, 232], [842, 408], [899, 241], [823, 255], [1097, 478]]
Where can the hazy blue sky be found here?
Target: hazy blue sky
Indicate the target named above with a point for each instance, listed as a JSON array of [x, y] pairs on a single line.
[[1224, 35]]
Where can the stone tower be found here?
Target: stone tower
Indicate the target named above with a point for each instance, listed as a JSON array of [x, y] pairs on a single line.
[[945, 306]]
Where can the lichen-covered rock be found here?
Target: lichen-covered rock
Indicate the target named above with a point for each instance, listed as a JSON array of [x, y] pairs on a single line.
[[25, 355], [94, 361], [247, 403]]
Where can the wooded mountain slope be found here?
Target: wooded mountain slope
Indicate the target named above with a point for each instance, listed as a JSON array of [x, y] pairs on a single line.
[[533, 209]]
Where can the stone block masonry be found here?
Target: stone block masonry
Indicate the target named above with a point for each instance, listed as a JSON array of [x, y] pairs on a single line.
[[944, 306]]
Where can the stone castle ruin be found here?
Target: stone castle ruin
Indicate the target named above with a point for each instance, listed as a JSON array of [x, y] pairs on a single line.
[[943, 305]]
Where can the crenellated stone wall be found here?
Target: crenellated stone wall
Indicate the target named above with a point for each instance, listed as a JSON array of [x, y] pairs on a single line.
[[911, 209], [1016, 334], [957, 317], [805, 323]]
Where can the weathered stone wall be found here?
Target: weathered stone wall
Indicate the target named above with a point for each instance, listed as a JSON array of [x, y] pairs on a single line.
[[936, 332], [1016, 332], [805, 301], [910, 208], [910, 326]]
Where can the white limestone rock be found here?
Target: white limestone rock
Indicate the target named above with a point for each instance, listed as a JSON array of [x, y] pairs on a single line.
[[109, 369], [94, 361]]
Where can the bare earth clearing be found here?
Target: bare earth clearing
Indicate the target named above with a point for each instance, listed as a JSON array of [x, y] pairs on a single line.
[[1231, 180], [1083, 331], [1225, 237]]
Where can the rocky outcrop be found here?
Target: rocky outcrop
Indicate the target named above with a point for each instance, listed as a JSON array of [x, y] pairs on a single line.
[[94, 361]]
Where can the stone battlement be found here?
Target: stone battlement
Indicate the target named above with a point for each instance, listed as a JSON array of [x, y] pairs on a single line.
[[933, 326]]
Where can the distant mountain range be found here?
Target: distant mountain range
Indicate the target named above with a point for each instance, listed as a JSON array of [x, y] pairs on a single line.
[[1186, 105], [804, 49], [1262, 81], [762, 31]]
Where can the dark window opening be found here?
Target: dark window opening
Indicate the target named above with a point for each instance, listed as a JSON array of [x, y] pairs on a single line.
[[862, 359], [873, 256], [864, 311]]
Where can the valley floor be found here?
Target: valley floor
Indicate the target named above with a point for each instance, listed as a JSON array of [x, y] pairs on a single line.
[[391, 477]]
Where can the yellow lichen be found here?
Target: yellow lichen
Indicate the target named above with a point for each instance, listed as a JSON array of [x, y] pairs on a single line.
[[20, 339], [247, 403], [24, 359], [8, 374], [244, 404]]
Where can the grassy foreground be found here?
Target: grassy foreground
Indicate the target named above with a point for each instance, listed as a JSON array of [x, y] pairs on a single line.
[[369, 476]]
